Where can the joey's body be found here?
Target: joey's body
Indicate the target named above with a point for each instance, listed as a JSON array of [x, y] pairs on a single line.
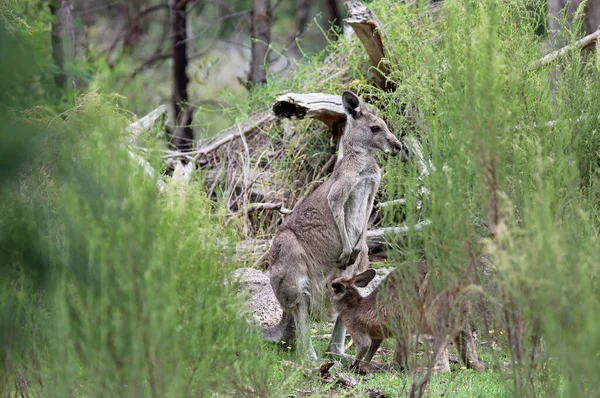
[[386, 313], [326, 234]]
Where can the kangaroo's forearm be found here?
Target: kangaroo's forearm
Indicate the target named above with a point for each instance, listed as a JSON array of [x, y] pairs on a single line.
[[337, 198], [339, 218]]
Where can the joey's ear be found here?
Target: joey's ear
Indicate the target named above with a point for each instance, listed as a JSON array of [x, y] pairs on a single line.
[[362, 280], [338, 287], [351, 104]]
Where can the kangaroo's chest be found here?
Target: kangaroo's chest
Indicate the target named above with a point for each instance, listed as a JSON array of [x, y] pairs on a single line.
[[359, 204]]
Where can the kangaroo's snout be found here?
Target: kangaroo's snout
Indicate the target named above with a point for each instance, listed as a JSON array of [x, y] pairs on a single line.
[[396, 148]]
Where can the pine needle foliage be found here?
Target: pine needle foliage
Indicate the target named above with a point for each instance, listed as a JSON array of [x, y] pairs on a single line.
[[109, 287]]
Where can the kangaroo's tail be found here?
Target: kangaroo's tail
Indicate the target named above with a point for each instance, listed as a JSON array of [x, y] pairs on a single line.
[[284, 331]]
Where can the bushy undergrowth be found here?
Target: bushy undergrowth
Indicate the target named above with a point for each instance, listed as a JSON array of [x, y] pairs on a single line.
[[513, 191], [515, 150], [108, 287]]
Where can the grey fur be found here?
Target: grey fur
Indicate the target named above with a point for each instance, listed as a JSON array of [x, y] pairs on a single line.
[[326, 234]]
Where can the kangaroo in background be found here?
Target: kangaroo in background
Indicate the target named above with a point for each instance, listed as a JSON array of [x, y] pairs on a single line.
[[326, 233], [385, 313]]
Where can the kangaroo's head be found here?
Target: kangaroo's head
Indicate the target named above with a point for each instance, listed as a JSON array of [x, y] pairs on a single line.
[[364, 130], [344, 292]]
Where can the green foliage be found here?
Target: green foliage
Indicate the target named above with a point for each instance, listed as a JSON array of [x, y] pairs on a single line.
[[109, 288], [499, 161], [512, 146], [112, 288]]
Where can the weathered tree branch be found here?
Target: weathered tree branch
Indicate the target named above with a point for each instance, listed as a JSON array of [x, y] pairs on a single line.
[[324, 107], [368, 28], [582, 44], [391, 203], [377, 235], [254, 122], [267, 206], [154, 120]]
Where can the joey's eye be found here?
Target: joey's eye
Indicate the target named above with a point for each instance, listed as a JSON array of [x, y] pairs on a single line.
[[375, 129]]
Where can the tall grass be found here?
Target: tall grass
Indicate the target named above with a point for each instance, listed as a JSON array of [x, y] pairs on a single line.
[[110, 288], [516, 160]]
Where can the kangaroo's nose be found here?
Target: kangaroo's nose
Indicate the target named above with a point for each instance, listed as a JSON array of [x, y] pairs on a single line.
[[396, 148]]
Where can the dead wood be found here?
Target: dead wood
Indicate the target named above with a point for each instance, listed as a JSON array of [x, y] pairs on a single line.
[[391, 203], [369, 30], [582, 44], [324, 107], [148, 169], [377, 237], [258, 120], [155, 120], [267, 206]]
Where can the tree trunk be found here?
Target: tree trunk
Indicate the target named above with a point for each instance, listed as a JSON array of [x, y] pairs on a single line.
[[302, 14], [334, 17], [182, 136], [63, 40], [591, 20], [261, 38]]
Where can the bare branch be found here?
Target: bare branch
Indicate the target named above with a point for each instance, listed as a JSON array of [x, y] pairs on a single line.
[[130, 25], [155, 119], [260, 119], [582, 44]]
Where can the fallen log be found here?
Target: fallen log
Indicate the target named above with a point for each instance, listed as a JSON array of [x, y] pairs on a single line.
[[324, 107], [369, 30], [148, 169], [391, 203]]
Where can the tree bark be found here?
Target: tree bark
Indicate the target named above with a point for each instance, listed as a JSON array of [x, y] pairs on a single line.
[[261, 38], [369, 30], [63, 40], [333, 14], [302, 14], [591, 19], [183, 135]]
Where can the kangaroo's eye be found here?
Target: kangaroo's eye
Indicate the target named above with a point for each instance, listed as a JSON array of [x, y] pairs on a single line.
[[375, 129]]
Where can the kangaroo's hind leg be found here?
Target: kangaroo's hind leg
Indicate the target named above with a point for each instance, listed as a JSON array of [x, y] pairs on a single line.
[[303, 329], [336, 344]]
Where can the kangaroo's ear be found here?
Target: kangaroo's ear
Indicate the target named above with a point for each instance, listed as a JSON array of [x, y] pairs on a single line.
[[352, 104], [338, 287], [362, 280]]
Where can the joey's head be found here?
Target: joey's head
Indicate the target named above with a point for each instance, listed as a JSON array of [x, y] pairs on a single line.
[[344, 292], [364, 129]]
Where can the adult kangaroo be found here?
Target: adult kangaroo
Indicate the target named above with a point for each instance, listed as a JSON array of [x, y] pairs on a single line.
[[326, 234]]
